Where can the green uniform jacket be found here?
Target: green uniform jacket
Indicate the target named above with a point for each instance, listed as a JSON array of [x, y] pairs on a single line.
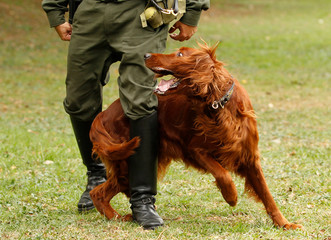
[[55, 10]]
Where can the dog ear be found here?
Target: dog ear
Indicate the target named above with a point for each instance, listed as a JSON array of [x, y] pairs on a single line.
[[210, 50], [210, 77]]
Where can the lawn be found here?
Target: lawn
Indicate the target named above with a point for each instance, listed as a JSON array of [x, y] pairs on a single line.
[[279, 50]]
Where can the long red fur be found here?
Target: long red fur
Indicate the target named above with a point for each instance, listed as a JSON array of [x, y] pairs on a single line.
[[191, 131]]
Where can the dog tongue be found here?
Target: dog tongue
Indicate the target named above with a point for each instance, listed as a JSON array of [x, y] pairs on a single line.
[[164, 85]]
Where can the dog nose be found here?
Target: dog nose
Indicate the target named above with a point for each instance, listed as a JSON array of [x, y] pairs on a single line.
[[147, 56]]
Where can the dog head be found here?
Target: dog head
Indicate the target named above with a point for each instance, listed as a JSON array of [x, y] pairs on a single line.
[[179, 64], [198, 68]]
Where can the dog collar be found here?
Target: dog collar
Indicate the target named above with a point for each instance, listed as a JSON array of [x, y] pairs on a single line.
[[224, 99]]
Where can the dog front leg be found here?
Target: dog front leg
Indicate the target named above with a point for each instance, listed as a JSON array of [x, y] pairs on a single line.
[[222, 176], [256, 185]]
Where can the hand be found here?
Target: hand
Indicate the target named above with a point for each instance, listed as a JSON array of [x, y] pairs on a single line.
[[185, 31], [64, 30]]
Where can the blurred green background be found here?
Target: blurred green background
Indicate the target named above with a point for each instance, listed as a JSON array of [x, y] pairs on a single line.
[[280, 51]]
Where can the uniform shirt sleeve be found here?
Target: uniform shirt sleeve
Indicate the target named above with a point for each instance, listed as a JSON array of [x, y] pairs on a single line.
[[55, 10], [193, 11]]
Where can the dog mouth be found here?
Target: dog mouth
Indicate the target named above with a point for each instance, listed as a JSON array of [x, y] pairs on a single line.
[[164, 84], [160, 71]]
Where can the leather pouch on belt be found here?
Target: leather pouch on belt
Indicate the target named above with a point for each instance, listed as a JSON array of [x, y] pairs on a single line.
[[159, 12]]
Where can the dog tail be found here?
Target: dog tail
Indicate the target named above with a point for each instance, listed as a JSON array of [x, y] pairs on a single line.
[[106, 148]]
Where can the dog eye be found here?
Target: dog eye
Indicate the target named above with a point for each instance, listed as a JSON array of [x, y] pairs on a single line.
[[179, 54]]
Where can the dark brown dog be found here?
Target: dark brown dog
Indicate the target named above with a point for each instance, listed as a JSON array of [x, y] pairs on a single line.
[[207, 122]]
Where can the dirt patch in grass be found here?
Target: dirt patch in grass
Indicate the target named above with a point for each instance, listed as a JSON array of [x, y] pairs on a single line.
[[16, 22]]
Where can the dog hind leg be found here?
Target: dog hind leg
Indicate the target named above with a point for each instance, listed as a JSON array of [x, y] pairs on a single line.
[[101, 196]]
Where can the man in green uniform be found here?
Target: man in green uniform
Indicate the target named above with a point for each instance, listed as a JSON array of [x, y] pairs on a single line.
[[104, 32]]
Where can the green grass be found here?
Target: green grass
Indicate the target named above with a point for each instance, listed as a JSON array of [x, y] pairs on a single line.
[[279, 50]]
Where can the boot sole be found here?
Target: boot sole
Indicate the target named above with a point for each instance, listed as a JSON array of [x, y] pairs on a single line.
[[85, 209]]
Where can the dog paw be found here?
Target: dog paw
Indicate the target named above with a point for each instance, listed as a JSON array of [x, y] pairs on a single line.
[[127, 218], [230, 194], [292, 226], [232, 203]]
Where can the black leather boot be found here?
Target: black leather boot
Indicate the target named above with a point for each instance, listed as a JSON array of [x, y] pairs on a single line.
[[143, 172], [93, 179], [96, 172]]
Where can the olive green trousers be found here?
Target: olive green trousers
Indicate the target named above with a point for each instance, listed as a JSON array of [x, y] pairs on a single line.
[[104, 33]]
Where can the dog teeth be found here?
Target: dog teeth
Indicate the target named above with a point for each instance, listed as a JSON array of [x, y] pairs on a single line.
[[165, 85], [161, 70]]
